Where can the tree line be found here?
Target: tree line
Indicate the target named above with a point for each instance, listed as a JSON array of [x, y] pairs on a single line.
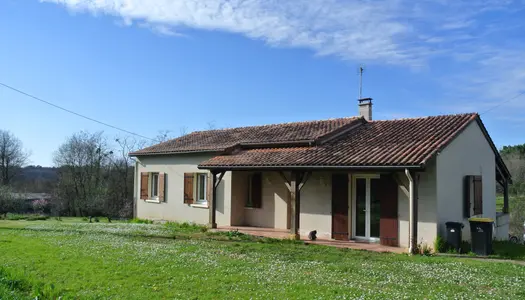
[[94, 176]]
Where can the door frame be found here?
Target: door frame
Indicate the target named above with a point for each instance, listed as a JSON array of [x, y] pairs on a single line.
[[367, 237]]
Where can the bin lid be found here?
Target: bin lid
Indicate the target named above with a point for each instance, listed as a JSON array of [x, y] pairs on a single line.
[[486, 220]]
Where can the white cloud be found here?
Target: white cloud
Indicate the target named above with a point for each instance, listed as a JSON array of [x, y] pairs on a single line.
[[396, 32], [356, 30]]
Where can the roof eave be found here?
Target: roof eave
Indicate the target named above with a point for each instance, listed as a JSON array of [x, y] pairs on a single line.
[[136, 154], [310, 167]]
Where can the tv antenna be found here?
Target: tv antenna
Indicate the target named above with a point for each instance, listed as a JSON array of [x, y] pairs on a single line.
[[361, 70]]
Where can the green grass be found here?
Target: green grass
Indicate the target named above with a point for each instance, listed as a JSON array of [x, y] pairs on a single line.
[[499, 203], [75, 259], [509, 250]]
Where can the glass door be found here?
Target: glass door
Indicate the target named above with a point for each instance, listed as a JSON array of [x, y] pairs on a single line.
[[366, 208], [360, 207]]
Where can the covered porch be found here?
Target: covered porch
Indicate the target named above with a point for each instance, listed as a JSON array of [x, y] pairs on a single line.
[[351, 208], [285, 234]]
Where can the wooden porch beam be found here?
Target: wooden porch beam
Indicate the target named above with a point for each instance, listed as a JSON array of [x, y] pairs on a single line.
[[402, 185], [506, 196], [295, 201], [212, 203], [304, 179], [220, 178], [286, 181]]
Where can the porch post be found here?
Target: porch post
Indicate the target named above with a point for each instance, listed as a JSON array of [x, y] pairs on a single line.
[[213, 201], [413, 220], [295, 200], [505, 196]]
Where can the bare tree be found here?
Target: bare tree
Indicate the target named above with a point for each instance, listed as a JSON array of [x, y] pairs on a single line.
[[163, 136], [12, 156], [183, 130], [7, 201], [82, 184]]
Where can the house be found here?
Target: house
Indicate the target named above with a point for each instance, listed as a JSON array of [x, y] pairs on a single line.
[[395, 182]]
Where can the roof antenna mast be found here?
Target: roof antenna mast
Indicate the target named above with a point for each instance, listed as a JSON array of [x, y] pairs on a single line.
[[361, 70]]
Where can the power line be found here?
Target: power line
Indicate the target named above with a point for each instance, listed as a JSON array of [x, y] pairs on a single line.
[[74, 113], [503, 102]]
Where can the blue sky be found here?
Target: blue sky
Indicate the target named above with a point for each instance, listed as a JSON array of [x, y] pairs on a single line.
[[165, 65]]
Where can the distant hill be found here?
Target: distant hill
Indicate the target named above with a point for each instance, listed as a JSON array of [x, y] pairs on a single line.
[[36, 179]]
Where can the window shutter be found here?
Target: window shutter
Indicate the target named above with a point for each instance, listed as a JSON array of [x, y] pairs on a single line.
[[256, 190], [188, 188], [478, 195], [162, 187], [144, 179], [466, 197]]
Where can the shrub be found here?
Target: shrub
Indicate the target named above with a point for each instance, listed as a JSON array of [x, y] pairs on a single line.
[[140, 221], [15, 217], [185, 226], [440, 245], [40, 205], [36, 217]]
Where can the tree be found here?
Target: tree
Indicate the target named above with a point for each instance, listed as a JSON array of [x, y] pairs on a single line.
[[7, 201], [82, 184], [12, 156]]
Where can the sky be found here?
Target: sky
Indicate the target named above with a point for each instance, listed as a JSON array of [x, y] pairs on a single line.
[[185, 65]]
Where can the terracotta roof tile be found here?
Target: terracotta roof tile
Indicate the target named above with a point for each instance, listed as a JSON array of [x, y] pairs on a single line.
[[219, 140], [404, 142]]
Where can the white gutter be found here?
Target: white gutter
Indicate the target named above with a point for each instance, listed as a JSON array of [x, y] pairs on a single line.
[[412, 222]]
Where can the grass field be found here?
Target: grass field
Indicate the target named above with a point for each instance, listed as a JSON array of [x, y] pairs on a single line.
[[74, 259]]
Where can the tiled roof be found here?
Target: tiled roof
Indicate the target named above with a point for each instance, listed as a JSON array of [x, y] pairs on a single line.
[[404, 142], [219, 140]]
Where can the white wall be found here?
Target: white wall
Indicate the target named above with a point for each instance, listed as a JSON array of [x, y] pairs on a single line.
[[274, 208], [469, 154], [174, 209], [316, 206], [427, 209], [316, 203]]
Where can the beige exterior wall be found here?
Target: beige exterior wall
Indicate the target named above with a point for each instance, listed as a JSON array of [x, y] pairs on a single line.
[[174, 209], [469, 154], [274, 207], [316, 206], [427, 209], [316, 201]]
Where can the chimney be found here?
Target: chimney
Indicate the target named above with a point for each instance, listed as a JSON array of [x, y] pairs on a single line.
[[365, 108]]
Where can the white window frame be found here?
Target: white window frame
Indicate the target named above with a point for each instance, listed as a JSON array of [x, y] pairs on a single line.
[[198, 199], [367, 177]]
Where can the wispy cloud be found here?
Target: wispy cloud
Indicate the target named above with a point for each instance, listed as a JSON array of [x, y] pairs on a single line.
[[405, 33]]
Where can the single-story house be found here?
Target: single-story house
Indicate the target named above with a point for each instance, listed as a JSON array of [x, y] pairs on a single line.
[[394, 182]]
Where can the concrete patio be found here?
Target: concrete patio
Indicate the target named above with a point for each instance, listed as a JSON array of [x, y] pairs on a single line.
[[285, 234]]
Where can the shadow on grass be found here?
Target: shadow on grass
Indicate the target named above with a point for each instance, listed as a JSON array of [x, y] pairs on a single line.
[[173, 235]]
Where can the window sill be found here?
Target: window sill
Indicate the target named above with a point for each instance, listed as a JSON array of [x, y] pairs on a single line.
[[248, 207], [152, 200], [197, 205]]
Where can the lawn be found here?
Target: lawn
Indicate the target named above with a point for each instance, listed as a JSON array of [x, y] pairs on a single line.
[[79, 260]]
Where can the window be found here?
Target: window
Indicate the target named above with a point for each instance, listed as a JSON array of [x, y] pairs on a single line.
[[154, 185], [254, 195], [201, 187], [473, 197]]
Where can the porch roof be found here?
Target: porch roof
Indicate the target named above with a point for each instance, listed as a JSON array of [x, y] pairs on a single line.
[[404, 143]]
